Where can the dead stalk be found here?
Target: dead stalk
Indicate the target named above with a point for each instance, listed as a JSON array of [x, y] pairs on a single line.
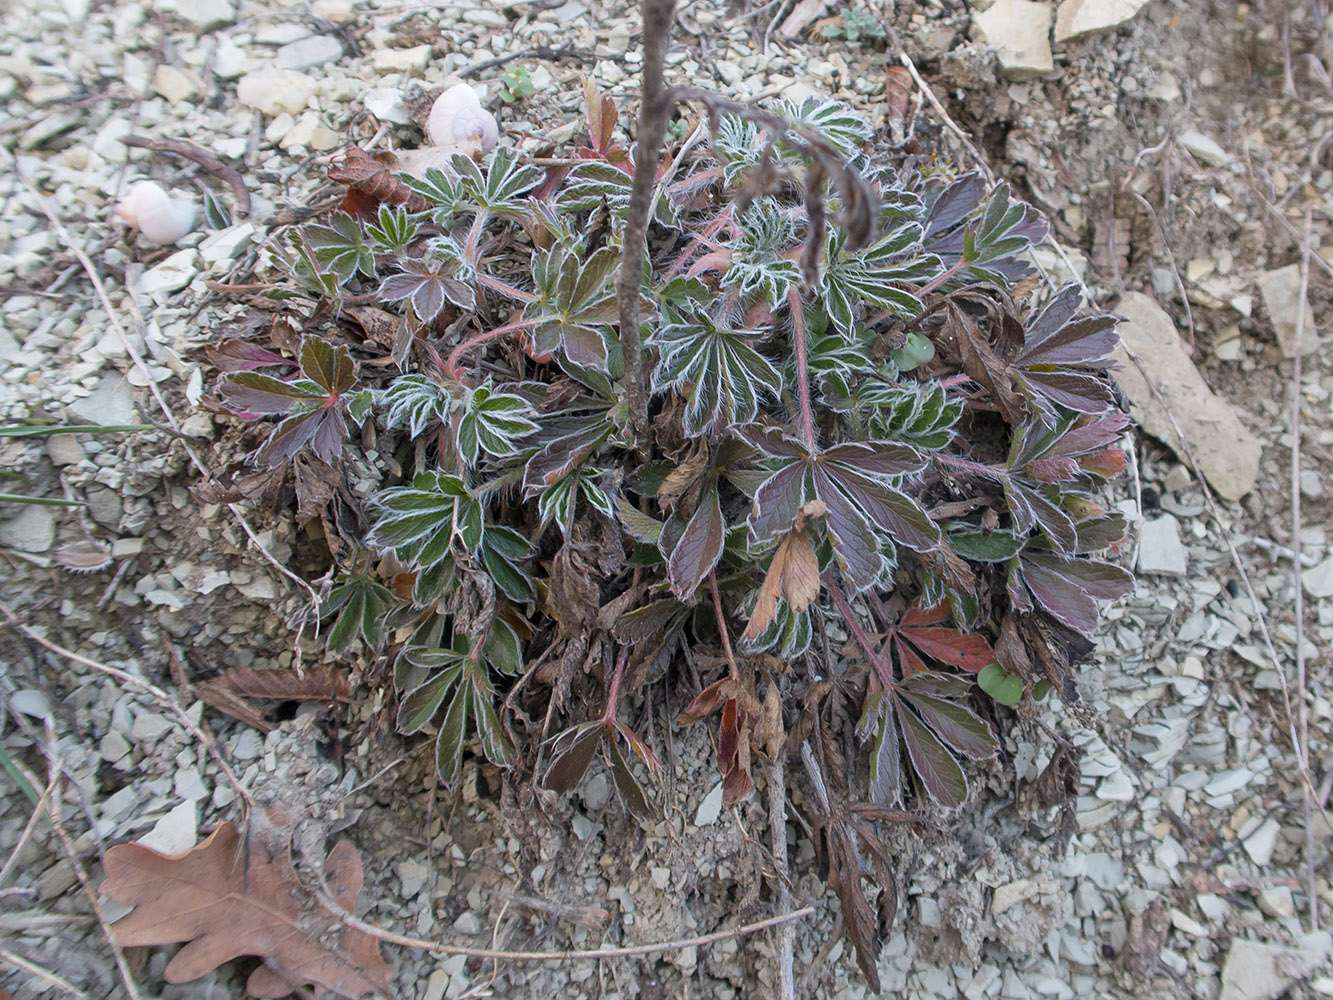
[[45, 975], [1303, 752], [419, 944], [654, 107], [42, 805], [777, 821]]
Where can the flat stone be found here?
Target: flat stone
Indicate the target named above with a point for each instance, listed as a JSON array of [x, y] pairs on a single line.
[[30, 702], [1014, 892], [1318, 580], [273, 91], [1277, 902], [176, 832], [1019, 32], [307, 132], [1079, 18], [1256, 971], [387, 104], [171, 275], [1226, 451], [109, 405], [710, 808], [309, 53], [230, 60], [32, 529], [176, 86], [1261, 844], [1281, 289], [227, 244], [1204, 148], [1160, 548], [203, 14], [415, 59]]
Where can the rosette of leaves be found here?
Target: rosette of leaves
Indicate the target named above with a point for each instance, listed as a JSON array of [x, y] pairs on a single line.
[[857, 426]]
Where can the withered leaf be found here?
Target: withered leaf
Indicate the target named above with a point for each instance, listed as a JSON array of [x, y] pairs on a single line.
[[793, 575], [228, 897], [372, 178]]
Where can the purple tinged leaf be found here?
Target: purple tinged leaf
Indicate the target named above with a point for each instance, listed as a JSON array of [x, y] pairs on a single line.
[[1062, 307], [1098, 533], [1063, 600], [1080, 342], [889, 509], [240, 356], [332, 368], [420, 704], [699, 547], [289, 437], [571, 753], [257, 393], [1082, 393], [955, 203], [886, 777], [854, 543], [777, 502], [936, 684], [934, 764], [631, 790], [876, 458], [955, 725], [1098, 579]]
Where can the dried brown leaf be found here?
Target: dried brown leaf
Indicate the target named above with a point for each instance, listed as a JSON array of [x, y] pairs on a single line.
[[372, 178], [793, 574], [230, 896]]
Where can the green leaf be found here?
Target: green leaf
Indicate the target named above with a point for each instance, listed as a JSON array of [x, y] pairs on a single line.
[[451, 739], [575, 304], [1001, 685], [393, 230], [340, 247]]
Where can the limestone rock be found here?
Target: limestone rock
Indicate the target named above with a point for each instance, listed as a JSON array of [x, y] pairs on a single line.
[[1078, 18], [1227, 453], [1281, 289], [274, 91], [1160, 548], [1019, 32], [1256, 971]]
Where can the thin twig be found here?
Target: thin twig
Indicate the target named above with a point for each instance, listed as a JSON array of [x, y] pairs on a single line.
[[1303, 712], [210, 163], [46, 976], [202, 735], [777, 822], [28, 828], [403, 940], [67, 845]]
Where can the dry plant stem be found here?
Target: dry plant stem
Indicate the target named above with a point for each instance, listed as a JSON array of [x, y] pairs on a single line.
[[513, 326], [722, 627], [42, 804], [36, 971], [777, 821], [849, 616], [57, 821], [329, 903], [209, 162], [1261, 617], [802, 368], [113, 318], [204, 737], [1302, 708], [655, 106]]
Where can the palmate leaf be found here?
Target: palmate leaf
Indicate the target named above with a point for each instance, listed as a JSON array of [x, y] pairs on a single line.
[[414, 402], [920, 633], [501, 189], [835, 122], [991, 238], [453, 685], [362, 607], [922, 414], [718, 370], [443, 192], [699, 547], [420, 522], [427, 284], [1065, 588], [760, 265], [598, 183], [393, 230], [575, 304], [1057, 338], [493, 422], [853, 280], [924, 715], [340, 247]]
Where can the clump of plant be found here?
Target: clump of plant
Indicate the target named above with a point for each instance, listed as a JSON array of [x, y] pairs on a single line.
[[817, 431], [852, 26]]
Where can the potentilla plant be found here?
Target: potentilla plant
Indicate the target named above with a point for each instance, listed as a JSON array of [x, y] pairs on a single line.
[[824, 439]]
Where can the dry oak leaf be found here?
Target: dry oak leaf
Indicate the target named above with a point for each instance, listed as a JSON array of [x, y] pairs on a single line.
[[229, 898]]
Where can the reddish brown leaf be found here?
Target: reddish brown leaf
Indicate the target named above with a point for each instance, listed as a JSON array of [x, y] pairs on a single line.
[[372, 177], [325, 683], [793, 575], [231, 896]]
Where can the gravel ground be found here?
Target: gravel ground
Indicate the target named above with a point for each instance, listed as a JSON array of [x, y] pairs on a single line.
[[1182, 871]]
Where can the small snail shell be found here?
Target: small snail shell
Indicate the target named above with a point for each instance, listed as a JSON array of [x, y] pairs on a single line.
[[459, 124], [154, 213]]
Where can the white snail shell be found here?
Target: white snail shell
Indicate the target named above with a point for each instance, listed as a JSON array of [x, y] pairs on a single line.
[[459, 124], [156, 214]]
